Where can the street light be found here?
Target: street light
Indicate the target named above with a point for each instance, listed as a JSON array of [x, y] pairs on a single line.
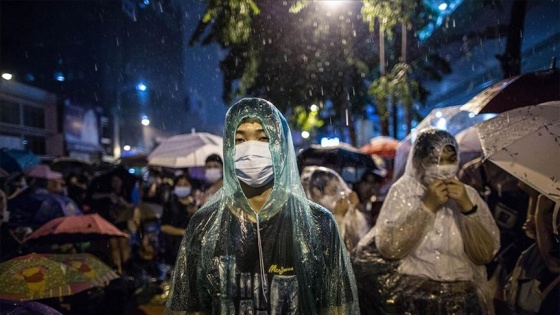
[[145, 120], [6, 76], [141, 87]]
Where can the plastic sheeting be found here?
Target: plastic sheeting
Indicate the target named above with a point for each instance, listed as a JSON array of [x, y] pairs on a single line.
[[445, 246], [333, 193], [288, 257]]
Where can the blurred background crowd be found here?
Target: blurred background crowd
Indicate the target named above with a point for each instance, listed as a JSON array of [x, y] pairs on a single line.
[[127, 219]]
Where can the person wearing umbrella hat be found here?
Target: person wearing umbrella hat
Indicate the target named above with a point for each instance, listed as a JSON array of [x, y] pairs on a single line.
[[259, 246], [441, 231]]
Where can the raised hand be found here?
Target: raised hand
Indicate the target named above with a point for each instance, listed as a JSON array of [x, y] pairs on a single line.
[[436, 195], [457, 192]]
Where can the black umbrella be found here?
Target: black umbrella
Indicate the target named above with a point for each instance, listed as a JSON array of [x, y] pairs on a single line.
[[68, 165], [519, 91], [335, 157]]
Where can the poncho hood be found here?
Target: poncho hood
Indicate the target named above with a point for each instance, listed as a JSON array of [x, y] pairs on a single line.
[[286, 176], [429, 144]]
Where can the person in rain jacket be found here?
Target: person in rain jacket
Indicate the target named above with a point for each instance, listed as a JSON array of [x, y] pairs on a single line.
[[325, 187], [258, 246], [440, 229]]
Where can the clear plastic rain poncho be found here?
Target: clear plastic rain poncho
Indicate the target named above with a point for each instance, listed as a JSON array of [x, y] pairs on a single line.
[[446, 246], [327, 188], [288, 258]]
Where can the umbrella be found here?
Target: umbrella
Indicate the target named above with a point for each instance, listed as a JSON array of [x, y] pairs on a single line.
[[78, 228], [40, 276], [42, 171], [68, 165], [383, 146], [26, 308], [97, 272], [137, 160], [335, 157], [518, 91], [525, 143], [469, 145], [187, 150], [14, 160]]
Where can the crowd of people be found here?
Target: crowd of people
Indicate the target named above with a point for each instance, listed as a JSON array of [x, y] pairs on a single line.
[[153, 211], [256, 236]]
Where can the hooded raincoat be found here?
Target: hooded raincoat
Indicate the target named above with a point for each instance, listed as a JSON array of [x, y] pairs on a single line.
[[445, 247], [352, 224], [287, 258]]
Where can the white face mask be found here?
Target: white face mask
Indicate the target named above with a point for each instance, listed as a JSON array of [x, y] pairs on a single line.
[[434, 172], [182, 192], [253, 163], [213, 174]]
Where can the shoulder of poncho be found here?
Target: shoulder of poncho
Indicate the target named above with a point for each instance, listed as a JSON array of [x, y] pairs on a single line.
[[205, 212], [407, 184]]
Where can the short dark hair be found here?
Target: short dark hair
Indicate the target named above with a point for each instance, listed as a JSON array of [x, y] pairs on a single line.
[[214, 158]]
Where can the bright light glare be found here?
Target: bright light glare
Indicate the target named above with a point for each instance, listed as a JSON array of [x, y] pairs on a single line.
[[126, 148], [59, 76], [332, 3], [442, 6], [329, 142], [471, 115], [438, 114], [6, 76], [145, 120], [141, 87], [314, 108], [305, 134], [441, 124]]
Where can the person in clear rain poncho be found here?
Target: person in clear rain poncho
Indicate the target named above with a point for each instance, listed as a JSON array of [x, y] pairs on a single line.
[[325, 187], [258, 246], [441, 231]]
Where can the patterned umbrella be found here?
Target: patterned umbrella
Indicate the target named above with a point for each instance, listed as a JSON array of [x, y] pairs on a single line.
[[40, 276], [26, 308]]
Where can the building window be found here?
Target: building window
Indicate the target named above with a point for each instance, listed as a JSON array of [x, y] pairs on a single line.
[[35, 144], [9, 112], [33, 117]]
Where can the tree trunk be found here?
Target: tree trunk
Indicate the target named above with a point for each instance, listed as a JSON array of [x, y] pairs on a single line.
[[510, 60], [395, 116]]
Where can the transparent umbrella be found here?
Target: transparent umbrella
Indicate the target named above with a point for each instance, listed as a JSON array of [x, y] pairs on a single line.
[[525, 143], [187, 150]]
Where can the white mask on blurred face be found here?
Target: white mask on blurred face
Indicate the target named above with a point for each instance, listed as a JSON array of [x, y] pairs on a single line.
[[434, 172], [182, 191], [253, 163], [213, 174]]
